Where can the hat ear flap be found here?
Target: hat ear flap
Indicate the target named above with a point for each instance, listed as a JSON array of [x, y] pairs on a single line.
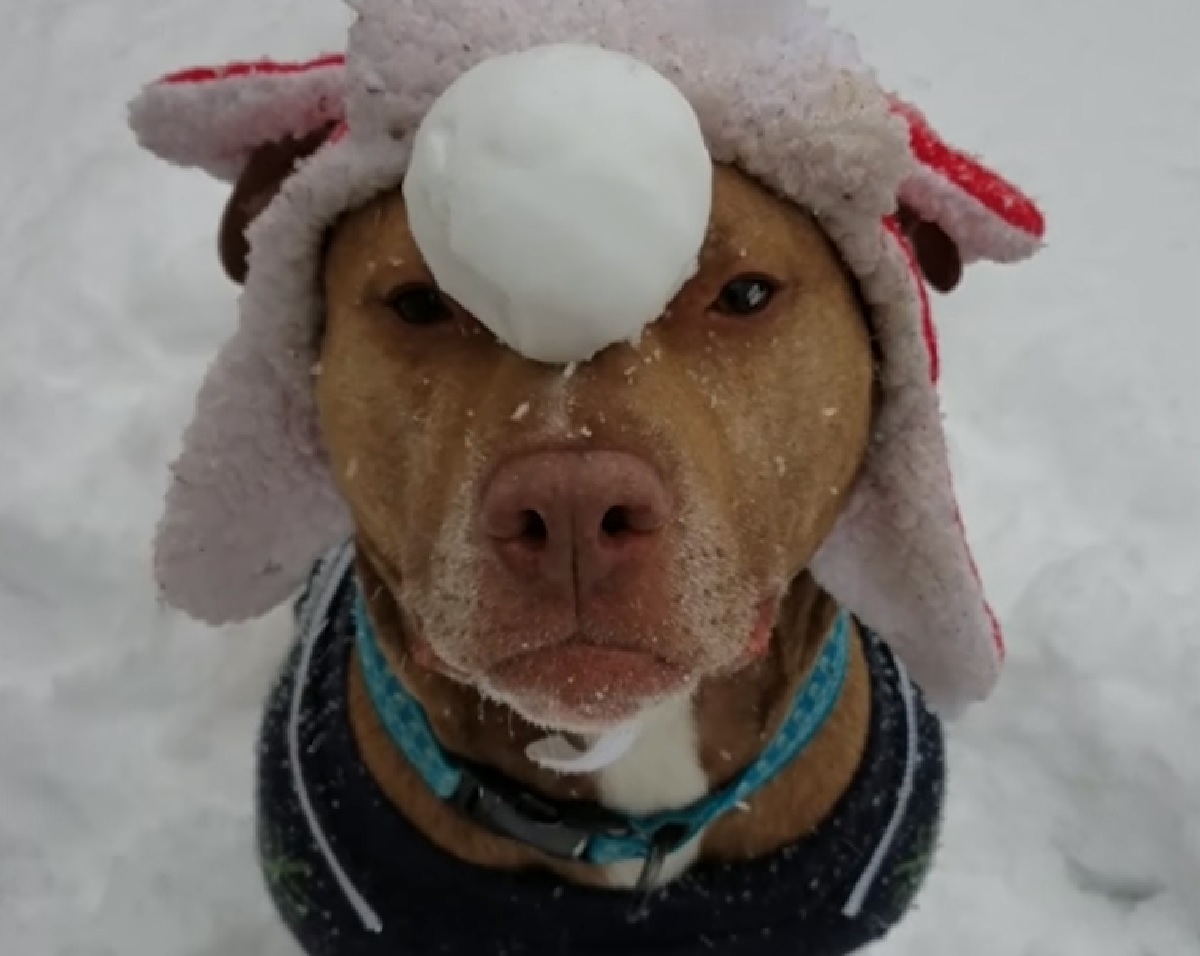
[[251, 501], [897, 556], [213, 118]]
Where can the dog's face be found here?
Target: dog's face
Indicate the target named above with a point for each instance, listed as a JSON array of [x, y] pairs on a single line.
[[583, 543]]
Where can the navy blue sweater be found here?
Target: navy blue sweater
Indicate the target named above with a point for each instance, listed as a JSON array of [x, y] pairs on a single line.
[[875, 849]]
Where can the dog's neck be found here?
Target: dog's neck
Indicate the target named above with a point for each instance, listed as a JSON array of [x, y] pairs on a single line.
[[686, 750]]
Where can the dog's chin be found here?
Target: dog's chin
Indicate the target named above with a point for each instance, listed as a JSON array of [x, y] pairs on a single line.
[[583, 688], [580, 681], [559, 717]]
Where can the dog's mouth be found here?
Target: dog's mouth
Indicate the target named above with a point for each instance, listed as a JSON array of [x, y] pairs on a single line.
[[583, 683], [589, 681], [577, 675]]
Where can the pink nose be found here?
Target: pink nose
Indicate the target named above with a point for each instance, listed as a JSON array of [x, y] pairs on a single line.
[[576, 521]]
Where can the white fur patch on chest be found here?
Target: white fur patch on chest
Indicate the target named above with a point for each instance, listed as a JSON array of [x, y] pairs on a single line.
[[661, 771]]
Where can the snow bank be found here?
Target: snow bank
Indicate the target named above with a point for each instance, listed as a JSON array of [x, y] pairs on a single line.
[[126, 733]]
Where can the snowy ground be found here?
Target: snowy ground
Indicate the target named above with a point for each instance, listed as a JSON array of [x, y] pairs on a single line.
[[125, 732]]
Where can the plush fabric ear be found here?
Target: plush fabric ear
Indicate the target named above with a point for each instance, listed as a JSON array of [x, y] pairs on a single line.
[[984, 215], [954, 210], [214, 118]]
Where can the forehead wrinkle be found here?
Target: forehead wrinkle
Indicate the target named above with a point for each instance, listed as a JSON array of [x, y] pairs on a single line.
[[718, 241], [559, 400], [740, 220]]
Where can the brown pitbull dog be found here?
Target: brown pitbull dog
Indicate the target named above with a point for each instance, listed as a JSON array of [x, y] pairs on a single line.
[[624, 541]]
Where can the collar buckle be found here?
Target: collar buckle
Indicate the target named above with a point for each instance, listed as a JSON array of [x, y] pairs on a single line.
[[563, 831]]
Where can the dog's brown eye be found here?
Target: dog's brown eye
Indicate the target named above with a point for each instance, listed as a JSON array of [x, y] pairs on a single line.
[[745, 295], [419, 305]]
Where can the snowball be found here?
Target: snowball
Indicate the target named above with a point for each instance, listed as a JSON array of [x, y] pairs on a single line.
[[562, 196]]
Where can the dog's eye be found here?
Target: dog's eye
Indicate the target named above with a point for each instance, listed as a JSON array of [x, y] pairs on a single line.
[[745, 295], [419, 305]]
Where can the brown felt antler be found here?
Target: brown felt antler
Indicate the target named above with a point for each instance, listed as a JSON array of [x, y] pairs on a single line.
[[268, 168], [938, 256]]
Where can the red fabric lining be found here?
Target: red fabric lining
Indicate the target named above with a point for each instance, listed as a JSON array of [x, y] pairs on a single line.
[[997, 630], [209, 74], [997, 194], [928, 330]]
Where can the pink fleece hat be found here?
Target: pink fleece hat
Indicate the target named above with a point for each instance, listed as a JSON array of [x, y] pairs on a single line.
[[252, 502]]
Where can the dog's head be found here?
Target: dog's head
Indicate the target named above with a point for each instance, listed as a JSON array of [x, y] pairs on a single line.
[[581, 542]]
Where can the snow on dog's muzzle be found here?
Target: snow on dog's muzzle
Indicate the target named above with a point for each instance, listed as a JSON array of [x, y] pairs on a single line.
[[561, 195]]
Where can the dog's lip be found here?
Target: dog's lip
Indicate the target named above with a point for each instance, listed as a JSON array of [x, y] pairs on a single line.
[[764, 627], [583, 645], [586, 674], [547, 653], [425, 655], [755, 645]]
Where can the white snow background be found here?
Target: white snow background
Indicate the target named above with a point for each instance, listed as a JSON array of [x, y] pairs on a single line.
[[126, 732]]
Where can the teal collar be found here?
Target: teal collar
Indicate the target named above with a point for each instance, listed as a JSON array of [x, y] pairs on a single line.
[[576, 831]]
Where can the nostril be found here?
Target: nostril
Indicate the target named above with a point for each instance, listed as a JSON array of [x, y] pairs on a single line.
[[616, 522], [622, 522], [533, 528]]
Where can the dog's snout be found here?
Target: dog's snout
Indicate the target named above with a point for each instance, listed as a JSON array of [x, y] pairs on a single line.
[[574, 519]]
